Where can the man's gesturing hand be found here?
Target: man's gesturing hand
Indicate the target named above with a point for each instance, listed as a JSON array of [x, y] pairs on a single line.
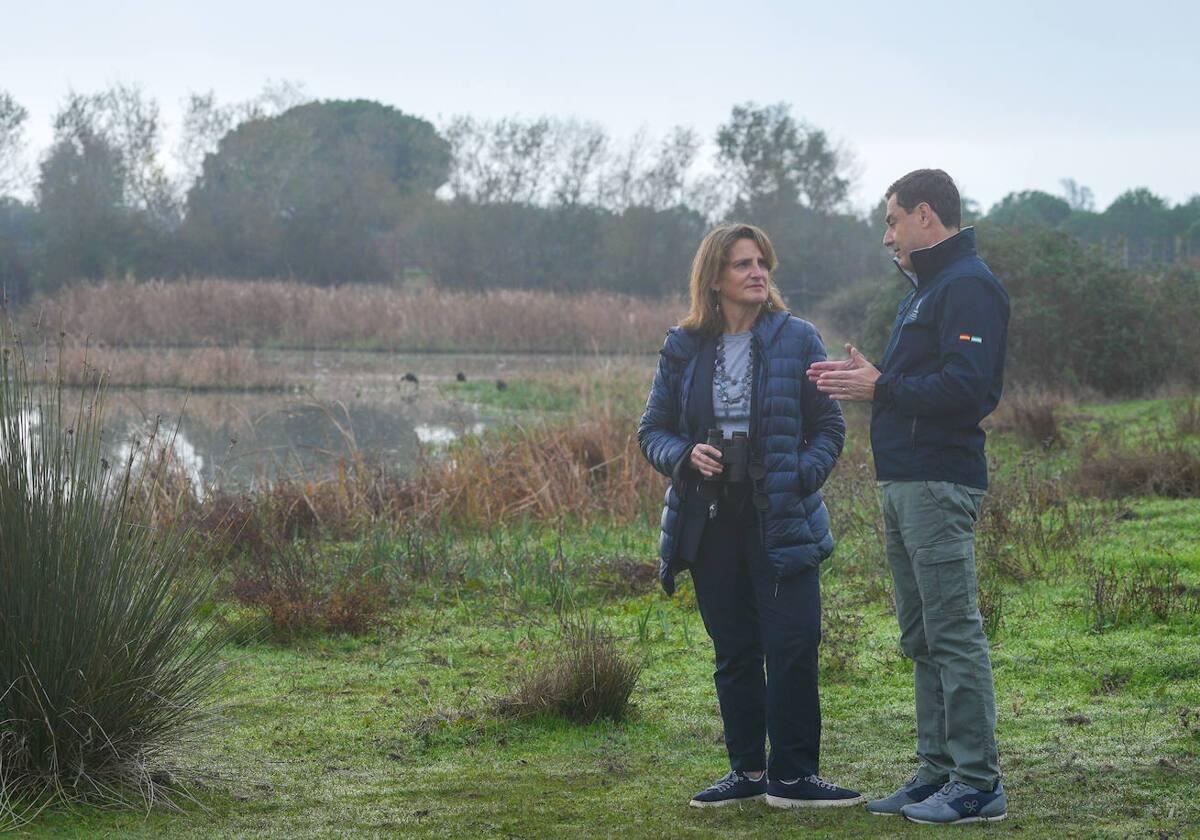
[[852, 379]]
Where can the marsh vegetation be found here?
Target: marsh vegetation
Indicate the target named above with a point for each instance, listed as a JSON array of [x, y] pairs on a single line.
[[413, 651]]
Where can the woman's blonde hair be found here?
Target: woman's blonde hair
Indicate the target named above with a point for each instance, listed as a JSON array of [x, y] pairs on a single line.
[[711, 258]]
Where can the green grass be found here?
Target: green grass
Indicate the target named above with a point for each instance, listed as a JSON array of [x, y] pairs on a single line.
[[557, 394], [519, 395], [389, 735], [1130, 424], [362, 737]]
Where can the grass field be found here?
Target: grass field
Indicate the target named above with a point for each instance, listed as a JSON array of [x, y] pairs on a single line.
[[392, 733]]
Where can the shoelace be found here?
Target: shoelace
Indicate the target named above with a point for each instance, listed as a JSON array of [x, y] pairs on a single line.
[[727, 782], [819, 782], [949, 791]]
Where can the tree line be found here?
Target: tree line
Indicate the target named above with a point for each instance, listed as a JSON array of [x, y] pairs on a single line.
[[356, 191]]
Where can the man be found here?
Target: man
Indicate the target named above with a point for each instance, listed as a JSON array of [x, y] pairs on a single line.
[[941, 374]]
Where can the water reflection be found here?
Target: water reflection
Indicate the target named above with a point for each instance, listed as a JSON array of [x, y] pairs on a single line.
[[239, 440], [444, 435], [352, 402]]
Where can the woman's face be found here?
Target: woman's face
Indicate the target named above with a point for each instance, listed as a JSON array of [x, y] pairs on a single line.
[[743, 280]]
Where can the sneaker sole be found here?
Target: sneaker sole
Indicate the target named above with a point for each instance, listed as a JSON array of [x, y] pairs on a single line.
[[784, 802], [895, 813], [963, 821], [697, 803]]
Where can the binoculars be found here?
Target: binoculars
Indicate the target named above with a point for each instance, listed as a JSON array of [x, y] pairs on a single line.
[[735, 457], [738, 468]]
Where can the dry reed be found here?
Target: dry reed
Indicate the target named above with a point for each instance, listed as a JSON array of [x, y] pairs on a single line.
[[276, 313], [199, 369]]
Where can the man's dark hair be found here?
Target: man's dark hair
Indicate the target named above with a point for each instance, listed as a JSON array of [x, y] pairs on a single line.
[[935, 188]]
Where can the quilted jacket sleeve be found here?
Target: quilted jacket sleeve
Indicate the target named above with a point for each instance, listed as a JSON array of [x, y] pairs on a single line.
[[658, 430], [824, 427]]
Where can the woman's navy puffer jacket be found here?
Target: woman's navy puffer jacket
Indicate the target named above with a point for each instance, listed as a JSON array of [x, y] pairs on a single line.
[[796, 430]]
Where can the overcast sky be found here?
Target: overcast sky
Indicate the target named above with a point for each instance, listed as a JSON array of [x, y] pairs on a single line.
[[1017, 95]]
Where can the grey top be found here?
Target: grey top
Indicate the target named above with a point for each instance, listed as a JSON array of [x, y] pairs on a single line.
[[731, 387]]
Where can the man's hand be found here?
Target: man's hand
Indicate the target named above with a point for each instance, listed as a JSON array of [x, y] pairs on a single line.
[[852, 379]]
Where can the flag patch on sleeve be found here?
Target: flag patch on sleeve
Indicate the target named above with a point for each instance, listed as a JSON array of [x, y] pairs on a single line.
[[974, 339]]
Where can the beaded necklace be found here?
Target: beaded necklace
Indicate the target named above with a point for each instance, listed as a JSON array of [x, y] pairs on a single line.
[[723, 381]]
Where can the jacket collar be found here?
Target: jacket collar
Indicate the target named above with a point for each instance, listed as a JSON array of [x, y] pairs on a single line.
[[769, 324], [681, 344], [929, 262], [684, 344]]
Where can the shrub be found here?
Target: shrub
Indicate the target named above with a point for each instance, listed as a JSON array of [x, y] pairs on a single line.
[[1120, 597], [991, 606], [587, 677], [1031, 523], [1078, 318], [1187, 418], [304, 588], [105, 664], [1173, 471], [1033, 414]]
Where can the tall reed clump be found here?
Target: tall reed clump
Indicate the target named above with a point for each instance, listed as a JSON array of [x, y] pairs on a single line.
[[105, 665]]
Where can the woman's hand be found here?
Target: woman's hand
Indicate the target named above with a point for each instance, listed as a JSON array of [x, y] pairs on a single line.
[[706, 459]]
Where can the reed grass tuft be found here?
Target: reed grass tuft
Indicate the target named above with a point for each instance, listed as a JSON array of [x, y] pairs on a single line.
[[585, 678], [106, 665]]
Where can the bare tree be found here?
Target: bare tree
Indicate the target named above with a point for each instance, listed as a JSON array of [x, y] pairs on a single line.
[[579, 151], [205, 122], [709, 195], [12, 123], [1078, 196], [499, 162], [622, 180], [130, 123], [567, 163], [663, 185]]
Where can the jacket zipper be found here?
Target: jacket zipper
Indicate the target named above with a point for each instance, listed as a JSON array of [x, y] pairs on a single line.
[[756, 420], [912, 297], [913, 442]]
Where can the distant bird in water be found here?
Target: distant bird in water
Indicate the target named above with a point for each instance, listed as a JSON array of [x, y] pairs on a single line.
[[460, 376], [501, 385], [411, 377]]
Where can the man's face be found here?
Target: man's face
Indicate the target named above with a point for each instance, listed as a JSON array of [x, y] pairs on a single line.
[[904, 233]]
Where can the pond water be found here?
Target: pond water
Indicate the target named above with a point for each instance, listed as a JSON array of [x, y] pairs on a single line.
[[343, 402]]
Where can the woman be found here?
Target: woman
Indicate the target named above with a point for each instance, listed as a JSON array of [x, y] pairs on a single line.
[[753, 535]]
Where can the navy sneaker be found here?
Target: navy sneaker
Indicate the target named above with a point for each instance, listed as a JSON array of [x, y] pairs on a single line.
[[913, 791], [958, 802], [730, 789], [810, 792]]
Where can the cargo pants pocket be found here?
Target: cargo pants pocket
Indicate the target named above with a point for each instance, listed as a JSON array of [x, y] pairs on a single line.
[[946, 577]]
